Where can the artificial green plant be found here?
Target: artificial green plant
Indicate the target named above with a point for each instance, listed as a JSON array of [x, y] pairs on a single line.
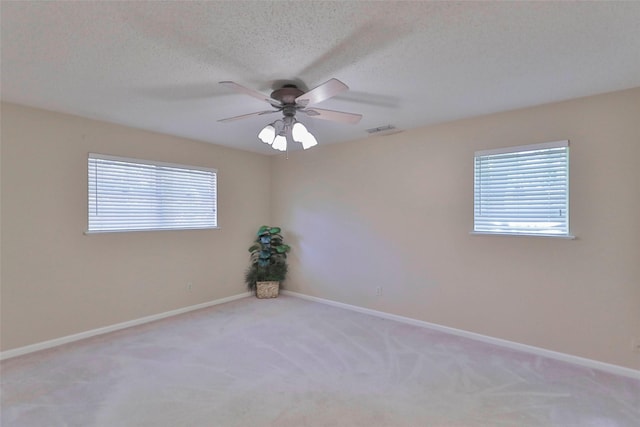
[[268, 257]]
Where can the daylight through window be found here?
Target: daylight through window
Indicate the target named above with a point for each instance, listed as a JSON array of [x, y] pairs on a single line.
[[523, 190], [131, 194]]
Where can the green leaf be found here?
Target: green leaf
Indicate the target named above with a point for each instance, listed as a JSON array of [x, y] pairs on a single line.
[[254, 247], [275, 230]]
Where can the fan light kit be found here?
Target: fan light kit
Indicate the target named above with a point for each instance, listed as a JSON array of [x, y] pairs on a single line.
[[276, 134], [290, 100]]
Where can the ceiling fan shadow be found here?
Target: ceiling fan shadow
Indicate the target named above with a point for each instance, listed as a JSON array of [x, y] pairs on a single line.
[[181, 92], [162, 24], [370, 99], [370, 38]]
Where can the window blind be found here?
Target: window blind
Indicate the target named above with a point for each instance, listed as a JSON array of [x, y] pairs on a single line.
[[523, 190], [131, 194]]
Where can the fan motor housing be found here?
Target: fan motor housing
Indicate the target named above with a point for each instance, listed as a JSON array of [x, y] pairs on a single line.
[[287, 94]]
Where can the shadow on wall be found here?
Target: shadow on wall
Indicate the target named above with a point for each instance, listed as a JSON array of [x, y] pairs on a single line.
[[341, 257]]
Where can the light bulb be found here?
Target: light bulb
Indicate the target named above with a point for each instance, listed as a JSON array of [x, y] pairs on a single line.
[[302, 135], [309, 141], [267, 134], [280, 143], [298, 132]]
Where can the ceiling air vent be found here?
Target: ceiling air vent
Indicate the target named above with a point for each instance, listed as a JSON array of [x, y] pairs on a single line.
[[383, 130]]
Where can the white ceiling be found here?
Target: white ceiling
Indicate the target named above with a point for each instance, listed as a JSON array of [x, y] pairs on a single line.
[[155, 66]]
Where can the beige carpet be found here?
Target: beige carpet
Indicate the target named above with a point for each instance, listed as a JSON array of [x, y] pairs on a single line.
[[291, 362]]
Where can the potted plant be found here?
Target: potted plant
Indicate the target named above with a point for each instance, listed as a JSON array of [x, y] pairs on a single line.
[[268, 262]]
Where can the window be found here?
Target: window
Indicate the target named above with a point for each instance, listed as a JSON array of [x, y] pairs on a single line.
[[130, 195], [523, 190]]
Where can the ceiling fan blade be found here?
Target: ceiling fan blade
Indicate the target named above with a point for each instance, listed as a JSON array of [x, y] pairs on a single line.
[[326, 90], [336, 116], [245, 116], [242, 89]]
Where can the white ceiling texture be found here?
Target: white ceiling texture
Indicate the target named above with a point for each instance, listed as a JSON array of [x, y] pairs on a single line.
[[156, 65]]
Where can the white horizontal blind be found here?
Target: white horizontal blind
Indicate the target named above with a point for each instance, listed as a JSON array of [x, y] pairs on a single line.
[[131, 194], [523, 190]]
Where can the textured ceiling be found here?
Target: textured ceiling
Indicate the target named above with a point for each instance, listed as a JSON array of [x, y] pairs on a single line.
[[155, 65]]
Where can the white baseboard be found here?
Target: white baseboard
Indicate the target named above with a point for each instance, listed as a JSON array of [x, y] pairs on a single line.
[[589, 363], [99, 331]]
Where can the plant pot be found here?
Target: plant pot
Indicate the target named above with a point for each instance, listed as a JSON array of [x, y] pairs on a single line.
[[267, 289]]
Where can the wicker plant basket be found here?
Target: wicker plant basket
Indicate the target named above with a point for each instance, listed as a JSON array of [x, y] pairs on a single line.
[[267, 289]]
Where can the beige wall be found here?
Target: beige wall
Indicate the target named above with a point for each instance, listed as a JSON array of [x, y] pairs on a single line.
[[396, 212], [393, 212], [57, 281]]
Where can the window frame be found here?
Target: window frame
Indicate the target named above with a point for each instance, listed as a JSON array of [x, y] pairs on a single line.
[[157, 188], [521, 149]]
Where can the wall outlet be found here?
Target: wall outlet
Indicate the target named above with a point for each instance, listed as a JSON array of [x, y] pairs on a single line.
[[379, 291]]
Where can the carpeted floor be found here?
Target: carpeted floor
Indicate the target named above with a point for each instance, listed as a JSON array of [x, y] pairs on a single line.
[[290, 362]]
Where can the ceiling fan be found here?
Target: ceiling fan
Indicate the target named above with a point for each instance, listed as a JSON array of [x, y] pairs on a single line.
[[291, 100]]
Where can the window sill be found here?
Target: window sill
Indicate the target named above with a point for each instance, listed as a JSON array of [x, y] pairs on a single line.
[[553, 236], [88, 233]]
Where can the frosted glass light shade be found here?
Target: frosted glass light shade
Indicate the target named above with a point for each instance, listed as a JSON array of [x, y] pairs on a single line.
[[267, 134], [280, 143], [302, 135]]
